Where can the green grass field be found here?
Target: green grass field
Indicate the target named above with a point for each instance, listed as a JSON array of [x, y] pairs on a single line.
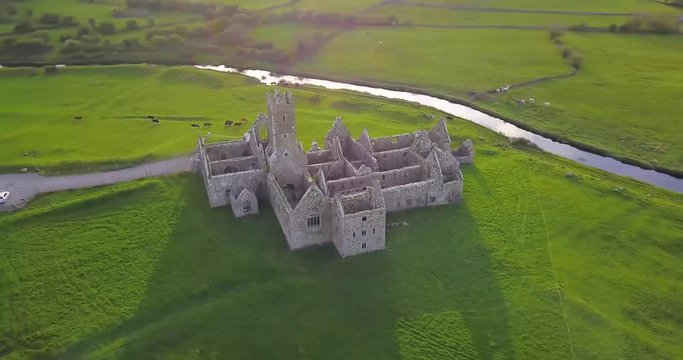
[[38, 128], [534, 264]]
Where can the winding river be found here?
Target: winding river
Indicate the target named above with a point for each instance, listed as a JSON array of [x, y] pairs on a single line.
[[567, 151]]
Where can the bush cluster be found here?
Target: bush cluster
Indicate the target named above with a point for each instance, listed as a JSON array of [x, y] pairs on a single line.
[[648, 23]]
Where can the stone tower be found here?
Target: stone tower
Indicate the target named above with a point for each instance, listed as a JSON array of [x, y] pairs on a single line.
[[283, 122]]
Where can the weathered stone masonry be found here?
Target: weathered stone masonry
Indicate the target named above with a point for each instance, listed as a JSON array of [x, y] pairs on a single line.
[[339, 194]]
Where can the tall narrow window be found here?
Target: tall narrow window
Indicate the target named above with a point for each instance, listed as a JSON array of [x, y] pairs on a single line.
[[247, 207], [363, 232], [363, 245], [364, 218], [313, 221], [373, 230], [432, 199]]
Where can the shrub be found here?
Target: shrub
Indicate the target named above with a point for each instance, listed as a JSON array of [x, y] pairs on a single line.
[[234, 34], [159, 40], [9, 41], [29, 47], [132, 25], [176, 39], [613, 28], [106, 28], [49, 19], [566, 53], [131, 43], [576, 61], [11, 9], [50, 69], [23, 27], [68, 21], [83, 31], [43, 36], [72, 45], [555, 34], [652, 23]]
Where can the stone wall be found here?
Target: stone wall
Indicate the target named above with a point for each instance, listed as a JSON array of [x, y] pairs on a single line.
[[228, 150], [309, 222], [219, 186], [244, 163], [244, 204], [465, 152], [408, 196], [362, 232], [393, 142], [394, 159], [280, 204]]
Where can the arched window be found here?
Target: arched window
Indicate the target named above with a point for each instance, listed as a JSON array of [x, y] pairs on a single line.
[[247, 206]]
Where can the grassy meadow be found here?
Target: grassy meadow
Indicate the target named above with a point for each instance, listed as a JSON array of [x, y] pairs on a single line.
[[534, 264], [38, 128], [328, 39]]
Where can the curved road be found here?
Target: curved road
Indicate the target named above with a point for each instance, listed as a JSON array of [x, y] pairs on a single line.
[[24, 187]]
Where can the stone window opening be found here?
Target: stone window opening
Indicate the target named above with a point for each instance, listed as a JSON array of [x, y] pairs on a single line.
[[364, 245], [283, 118], [354, 234], [247, 206], [405, 154], [432, 199], [364, 218], [363, 233], [373, 230], [313, 221], [383, 177], [409, 202], [398, 203]]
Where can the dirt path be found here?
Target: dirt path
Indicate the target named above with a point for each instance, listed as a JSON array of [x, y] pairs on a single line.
[[24, 187]]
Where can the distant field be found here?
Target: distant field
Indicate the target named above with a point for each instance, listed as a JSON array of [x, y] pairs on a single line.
[[442, 60], [534, 264], [37, 114], [627, 98], [440, 16], [563, 5]]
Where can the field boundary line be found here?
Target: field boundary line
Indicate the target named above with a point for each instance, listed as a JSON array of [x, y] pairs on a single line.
[[552, 264]]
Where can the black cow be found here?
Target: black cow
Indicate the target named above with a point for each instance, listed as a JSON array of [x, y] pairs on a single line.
[[195, 126], [207, 124], [78, 117], [155, 121], [228, 122]]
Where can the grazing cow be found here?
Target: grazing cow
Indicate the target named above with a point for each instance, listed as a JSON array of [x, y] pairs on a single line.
[[532, 101], [207, 124], [449, 117], [228, 122], [78, 117], [155, 121], [237, 123], [195, 126], [521, 101], [546, 104]]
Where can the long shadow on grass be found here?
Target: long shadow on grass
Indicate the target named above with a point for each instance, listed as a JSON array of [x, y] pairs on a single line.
[[227, 288], [447, 295]]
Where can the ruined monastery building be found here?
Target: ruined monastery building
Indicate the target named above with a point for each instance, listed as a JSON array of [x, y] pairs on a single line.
[[338, 194]]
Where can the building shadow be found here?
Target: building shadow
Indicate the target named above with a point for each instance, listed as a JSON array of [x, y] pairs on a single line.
[[226, 288], [447, 293]]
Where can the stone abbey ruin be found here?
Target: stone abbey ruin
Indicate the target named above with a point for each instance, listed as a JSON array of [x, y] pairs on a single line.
[[338, 194]]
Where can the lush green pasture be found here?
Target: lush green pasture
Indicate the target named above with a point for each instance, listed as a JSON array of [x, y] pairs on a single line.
[[534, 264], [626, 99], [617, 6], [441, 60], [440, 16], [38, 128]]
